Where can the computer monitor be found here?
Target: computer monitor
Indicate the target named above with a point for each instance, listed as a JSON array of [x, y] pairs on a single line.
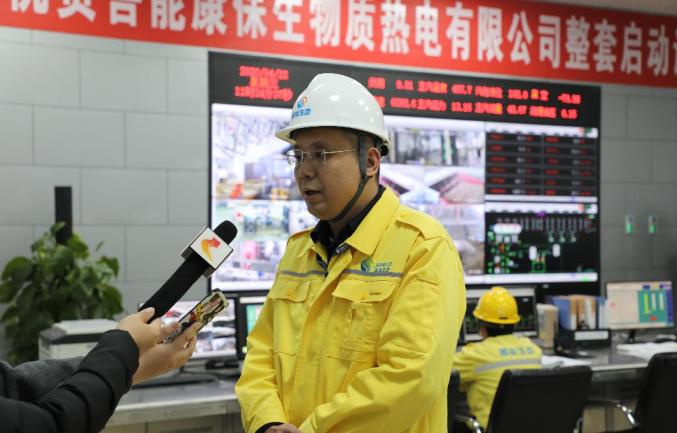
[[217, 338], [247, 311], [526, 307], [633, 305]]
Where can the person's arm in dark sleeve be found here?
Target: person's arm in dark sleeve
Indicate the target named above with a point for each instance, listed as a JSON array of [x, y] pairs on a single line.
[[32, 380], [83, 402]]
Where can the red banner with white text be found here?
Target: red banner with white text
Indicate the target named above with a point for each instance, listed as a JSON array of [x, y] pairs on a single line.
[[518, 38]]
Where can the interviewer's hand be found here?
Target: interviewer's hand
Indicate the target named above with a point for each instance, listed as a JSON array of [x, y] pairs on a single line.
[[144, 335], [165, 357], [284, 428]]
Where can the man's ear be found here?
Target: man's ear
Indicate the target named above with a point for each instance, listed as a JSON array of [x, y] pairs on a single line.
[[373, 161]]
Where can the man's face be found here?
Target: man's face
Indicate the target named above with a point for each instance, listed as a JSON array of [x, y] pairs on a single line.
[[327, 188]]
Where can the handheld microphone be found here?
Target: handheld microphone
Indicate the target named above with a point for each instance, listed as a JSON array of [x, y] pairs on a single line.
[[199, 261]]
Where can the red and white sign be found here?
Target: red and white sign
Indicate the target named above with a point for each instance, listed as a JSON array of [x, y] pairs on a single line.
[[518, 38], [211, 248]]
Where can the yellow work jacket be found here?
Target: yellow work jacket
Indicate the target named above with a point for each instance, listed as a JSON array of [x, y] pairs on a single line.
[[482, 364], [367, 345]]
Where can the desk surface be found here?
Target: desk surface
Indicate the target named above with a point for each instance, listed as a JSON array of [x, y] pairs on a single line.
[[218, 398], [175, 402], [608, 366], [607, 359]]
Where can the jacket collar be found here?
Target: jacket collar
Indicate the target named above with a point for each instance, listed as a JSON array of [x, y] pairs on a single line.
[[367, 235]]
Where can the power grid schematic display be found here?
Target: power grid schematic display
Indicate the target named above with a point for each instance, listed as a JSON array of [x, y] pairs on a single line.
[[541, 243]]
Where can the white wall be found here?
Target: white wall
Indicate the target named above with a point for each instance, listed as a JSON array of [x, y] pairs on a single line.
[[125, 124]]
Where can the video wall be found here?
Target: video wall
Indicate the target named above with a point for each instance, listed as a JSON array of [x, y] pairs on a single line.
[[510, 168]]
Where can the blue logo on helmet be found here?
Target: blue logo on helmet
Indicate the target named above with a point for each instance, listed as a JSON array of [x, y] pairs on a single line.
[[300, 111]]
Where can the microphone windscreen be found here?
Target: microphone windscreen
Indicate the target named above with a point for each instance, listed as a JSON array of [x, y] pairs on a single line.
[[226, 231]]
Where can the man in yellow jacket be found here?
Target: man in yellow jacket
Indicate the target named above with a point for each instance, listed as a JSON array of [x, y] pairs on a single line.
[[358, 332], [481, 365]]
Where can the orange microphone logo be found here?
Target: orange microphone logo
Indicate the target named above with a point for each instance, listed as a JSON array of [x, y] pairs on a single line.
[[209, 243]]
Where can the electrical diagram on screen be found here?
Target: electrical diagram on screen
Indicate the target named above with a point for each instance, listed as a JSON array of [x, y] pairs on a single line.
[[539, 244]]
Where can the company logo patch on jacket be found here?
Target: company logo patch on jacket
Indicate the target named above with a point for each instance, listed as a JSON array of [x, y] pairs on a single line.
[[515, 351], [367, 265]]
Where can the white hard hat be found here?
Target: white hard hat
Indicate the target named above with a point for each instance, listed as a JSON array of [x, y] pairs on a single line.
[[337, 101]]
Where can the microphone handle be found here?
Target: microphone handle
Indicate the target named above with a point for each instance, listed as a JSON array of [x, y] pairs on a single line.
[[176, 286]]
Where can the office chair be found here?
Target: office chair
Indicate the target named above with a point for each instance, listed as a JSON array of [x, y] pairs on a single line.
[[534, 401], [655, 408], [453, 390]]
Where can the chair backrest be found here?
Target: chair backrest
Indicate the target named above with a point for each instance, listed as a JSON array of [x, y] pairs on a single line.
[[536, 401], [453, 390], [657, 402]]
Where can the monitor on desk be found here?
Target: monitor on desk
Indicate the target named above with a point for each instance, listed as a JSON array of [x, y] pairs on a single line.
[[216, 340], [526, 307], [636, 305], [247, 311]]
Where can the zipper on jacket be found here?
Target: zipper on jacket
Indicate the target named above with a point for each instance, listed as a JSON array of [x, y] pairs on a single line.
[[322, 264], [337, 252]]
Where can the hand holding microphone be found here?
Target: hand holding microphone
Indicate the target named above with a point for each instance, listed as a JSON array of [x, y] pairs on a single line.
[[207, 251], [204, 254], [144, 335]]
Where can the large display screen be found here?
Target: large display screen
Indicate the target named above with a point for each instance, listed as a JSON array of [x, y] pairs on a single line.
[[510, 168]]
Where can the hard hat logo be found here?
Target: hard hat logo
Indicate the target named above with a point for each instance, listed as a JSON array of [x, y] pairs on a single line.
[[333, 100], [300, 111]]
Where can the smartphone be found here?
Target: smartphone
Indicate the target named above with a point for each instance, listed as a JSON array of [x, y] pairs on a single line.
[[203, 313]]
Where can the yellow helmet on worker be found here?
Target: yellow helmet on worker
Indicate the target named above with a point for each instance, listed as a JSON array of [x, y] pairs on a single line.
[[497, 306]]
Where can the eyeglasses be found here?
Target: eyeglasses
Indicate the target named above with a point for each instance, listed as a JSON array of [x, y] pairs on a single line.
[[296, 157]]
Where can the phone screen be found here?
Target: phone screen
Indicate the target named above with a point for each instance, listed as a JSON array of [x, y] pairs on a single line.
[[203, 313]]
